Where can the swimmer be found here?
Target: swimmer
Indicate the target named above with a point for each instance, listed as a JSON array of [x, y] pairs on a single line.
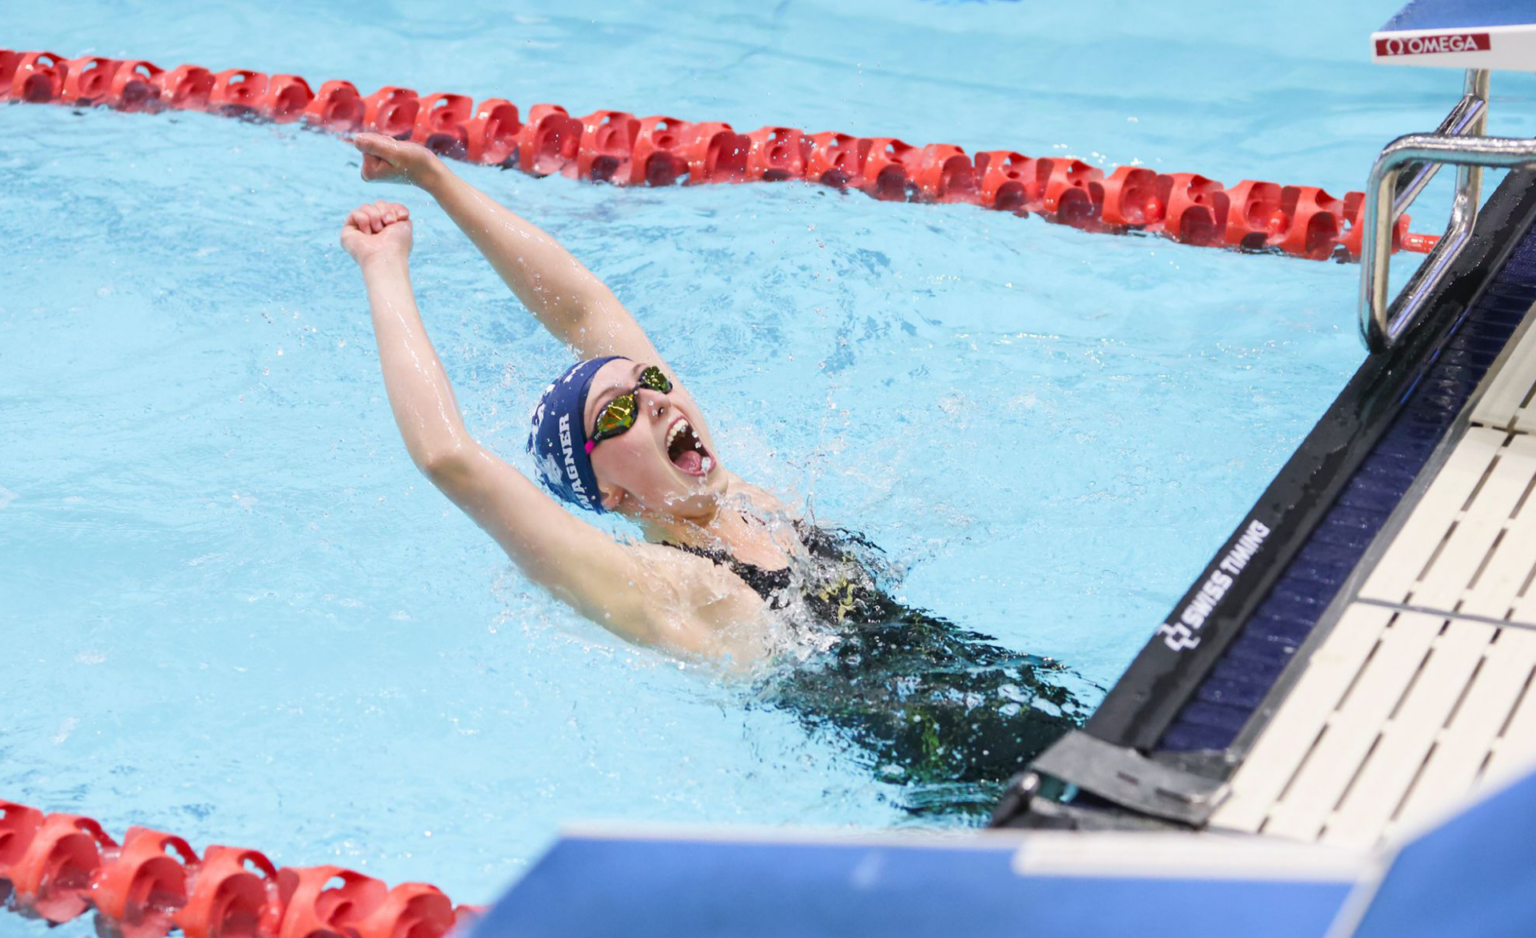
[[723, 563], [618, 432]]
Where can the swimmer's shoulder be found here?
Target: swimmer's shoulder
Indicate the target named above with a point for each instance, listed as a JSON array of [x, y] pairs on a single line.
[[681, 576], [758, 497], [697, 605]]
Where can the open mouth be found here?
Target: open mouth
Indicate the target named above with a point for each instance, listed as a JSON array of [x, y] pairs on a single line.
[[686, 450]]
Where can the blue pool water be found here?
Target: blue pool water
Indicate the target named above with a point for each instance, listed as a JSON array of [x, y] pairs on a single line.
[[233, 610]]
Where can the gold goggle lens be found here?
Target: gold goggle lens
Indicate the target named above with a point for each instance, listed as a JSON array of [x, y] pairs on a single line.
[[655, 379], [619, 414]]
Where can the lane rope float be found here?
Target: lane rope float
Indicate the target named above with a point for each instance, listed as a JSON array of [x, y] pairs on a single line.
[[619, 148], [60, 866]]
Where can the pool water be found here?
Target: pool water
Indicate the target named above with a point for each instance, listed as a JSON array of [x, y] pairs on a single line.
[[233, 610]]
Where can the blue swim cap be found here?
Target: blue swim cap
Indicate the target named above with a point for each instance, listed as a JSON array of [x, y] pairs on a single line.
[[558, 440]]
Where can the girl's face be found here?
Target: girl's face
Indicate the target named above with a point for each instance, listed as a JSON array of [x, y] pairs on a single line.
[[666, 462]]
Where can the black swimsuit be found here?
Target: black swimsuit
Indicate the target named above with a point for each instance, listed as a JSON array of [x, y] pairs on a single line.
[[954, 712], [769, 584]]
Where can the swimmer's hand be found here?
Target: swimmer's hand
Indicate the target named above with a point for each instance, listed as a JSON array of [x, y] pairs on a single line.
[[378, 231], [386, 159]]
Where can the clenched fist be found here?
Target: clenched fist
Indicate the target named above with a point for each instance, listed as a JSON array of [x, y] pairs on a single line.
[[378, 231], [386, 159]]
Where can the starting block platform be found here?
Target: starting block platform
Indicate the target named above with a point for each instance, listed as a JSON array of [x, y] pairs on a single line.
[[1476, 34]]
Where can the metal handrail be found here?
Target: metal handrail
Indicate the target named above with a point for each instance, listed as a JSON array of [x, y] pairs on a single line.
[[1469, 116], [1459, 142]]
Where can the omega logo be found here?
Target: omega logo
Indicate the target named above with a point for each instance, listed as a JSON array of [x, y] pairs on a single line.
[[1428, 45]]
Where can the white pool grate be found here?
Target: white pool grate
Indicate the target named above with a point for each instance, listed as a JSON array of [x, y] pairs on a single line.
[[1424, 686]]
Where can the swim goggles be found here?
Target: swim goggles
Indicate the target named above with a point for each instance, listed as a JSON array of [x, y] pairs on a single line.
[[618, 415]]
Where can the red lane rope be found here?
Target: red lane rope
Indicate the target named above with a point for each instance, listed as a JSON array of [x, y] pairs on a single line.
[[619, 148], [59, 866]]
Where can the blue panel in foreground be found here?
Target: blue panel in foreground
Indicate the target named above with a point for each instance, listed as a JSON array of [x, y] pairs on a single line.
[[1462, 14], [652, 887], [1473, 875]]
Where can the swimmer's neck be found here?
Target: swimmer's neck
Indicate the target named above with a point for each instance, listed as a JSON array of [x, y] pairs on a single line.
[[723, 521]]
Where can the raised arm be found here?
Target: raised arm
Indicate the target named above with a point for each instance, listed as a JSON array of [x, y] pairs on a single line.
[[572, 303], [574, 560], [643, 593]]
